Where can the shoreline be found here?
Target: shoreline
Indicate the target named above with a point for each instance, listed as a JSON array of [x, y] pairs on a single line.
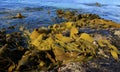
[[34, 17]]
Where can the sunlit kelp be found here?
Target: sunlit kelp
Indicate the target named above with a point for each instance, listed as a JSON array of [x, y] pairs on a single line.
[[87, 20], [79, 40], [68, 44]]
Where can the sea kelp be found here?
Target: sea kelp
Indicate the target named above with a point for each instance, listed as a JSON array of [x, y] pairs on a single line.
[[87, 20], [68, 44], [12, 47], [111, 48], [58, 44]]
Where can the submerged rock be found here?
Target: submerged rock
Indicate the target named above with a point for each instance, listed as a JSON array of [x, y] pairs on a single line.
[[97, 4], [19, 15]]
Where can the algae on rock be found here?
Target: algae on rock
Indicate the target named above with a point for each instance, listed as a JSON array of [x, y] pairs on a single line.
[[65, 42]]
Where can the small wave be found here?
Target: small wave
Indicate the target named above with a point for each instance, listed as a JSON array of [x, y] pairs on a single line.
[[118, 5], [95, 4]]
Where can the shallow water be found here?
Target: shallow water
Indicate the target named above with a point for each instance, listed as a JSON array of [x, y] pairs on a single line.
[[36, 11]]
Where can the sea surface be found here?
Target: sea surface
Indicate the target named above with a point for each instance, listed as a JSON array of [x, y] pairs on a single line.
[[36, 11]]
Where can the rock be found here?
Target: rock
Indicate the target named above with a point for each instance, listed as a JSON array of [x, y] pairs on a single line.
[[19, 15], [98, 4], [72, 67], [117, 32]]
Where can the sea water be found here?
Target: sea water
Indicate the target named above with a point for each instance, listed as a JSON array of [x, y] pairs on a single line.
[[36, 10]]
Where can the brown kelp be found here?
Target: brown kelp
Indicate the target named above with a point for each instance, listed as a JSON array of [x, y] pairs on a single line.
[[68, 44], [12, 47], [83, 38]]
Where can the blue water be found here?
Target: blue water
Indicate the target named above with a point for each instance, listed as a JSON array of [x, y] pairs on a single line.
[[36, 14]]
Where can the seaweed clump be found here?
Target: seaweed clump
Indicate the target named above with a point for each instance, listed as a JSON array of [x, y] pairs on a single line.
[[83, 38], [64, 43], [12, 47]]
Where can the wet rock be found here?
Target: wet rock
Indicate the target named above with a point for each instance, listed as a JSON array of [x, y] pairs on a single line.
[[11, 27], [97, 4], [19, 15]]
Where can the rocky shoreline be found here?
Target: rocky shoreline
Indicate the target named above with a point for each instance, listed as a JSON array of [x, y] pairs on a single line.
[[83, 43]]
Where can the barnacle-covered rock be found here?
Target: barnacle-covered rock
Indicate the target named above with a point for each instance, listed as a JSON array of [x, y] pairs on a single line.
[[72, 67]]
